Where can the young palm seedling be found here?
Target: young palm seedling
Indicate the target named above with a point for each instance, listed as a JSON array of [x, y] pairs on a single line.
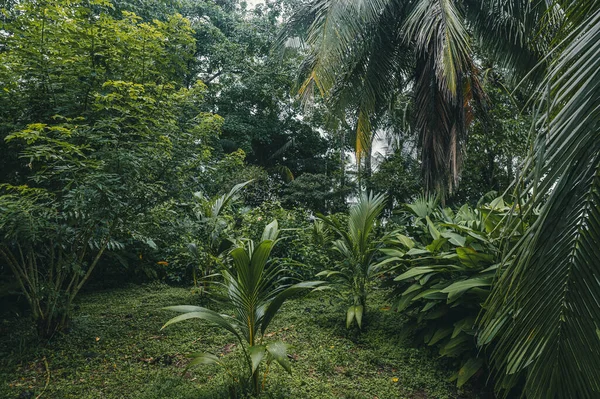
[[358, 246], [256, 289]]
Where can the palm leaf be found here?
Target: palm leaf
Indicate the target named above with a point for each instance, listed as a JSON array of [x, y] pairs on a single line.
[[544, 309]]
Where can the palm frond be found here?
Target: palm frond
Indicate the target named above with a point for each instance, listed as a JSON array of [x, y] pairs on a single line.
[[544, 310]]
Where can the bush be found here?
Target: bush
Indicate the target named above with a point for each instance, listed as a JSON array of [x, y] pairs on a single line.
[[449, 263]]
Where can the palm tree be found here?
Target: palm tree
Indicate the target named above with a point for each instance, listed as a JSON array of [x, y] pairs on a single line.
[[256, 289], [362, 53]]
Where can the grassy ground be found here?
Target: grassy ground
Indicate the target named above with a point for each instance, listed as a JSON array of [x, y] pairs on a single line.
[[115, 349]]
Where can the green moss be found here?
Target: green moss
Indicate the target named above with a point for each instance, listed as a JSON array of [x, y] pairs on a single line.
[[115, 349]]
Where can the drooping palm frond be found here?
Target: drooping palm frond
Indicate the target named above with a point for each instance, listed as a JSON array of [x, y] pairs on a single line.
[[355, 63], [515, 33], [446, 91], [543, 315], [361, 53]]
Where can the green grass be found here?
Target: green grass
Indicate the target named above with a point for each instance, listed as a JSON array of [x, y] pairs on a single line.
[[115, 349]]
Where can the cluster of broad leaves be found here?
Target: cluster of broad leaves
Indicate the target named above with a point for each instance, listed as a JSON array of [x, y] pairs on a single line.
[[449, 261]]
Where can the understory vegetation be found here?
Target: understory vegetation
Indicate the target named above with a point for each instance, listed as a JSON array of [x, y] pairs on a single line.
[[117, 349], [299, 198]]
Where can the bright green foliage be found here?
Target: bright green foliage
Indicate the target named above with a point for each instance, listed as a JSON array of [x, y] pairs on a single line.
[[357, 245], [449, 264], [98, 131], [301, 248], [256, 289]]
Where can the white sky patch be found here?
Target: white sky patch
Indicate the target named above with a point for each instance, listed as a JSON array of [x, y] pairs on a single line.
[[253, 3]]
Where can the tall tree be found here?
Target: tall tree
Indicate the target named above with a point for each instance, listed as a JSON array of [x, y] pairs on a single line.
[[360, 53]]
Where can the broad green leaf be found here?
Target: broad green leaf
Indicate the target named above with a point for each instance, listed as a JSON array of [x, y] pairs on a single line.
[[455, 290], [439, 335], [435, 234], [413, 288], [454, 238], [407, 242], [429, 305], [471, 258], [278, 351], [431, 293], [456, 345], [417, 251], [437, 244], [392, 252], [271, 231], [463, 325], [414, 272], [350, 314], [205, 314], [257, 354], [358, 314]]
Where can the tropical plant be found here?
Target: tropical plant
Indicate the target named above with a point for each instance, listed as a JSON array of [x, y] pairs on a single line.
[[99, 130], [357, 245], [214, 240], [449, 266], [256, 288], [53, 236], [363, 54], [543, 313]]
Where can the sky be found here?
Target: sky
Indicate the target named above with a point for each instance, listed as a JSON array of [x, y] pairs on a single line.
[[252, 3]]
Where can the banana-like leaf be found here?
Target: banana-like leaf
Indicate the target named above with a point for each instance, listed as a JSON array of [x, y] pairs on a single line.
[[392, 252], [404, 240], [437, 244], [418, 251], [456, 345], [414, 272], [469, 368], [439, 335], [278, 351], [455, 290], [471, 258], [454, 238], [257, 354], [435, 234], [464, 325]]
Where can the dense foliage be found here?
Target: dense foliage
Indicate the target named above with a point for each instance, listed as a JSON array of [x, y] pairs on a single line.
[[440, 153]]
